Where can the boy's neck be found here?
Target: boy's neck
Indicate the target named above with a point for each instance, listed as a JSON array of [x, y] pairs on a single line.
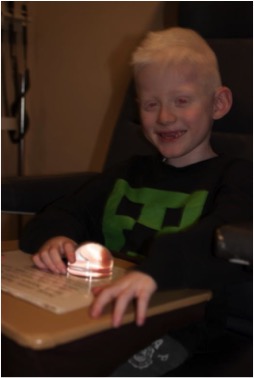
[[181, 163]]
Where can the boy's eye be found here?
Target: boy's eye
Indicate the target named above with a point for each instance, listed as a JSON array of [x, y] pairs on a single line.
[[181, 101], [149, 106]]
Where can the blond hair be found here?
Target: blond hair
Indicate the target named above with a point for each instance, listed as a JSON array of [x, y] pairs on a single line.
[[178, 46]]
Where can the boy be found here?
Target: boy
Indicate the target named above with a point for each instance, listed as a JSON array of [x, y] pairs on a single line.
[[165, 208]]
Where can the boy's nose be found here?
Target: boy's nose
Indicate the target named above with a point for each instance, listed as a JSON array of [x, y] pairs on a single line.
[[166, 116]]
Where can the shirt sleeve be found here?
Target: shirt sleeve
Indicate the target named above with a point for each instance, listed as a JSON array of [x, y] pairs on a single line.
[[77, 216]]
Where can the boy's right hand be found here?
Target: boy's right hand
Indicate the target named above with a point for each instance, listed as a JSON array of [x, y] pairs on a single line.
[[50, 255]]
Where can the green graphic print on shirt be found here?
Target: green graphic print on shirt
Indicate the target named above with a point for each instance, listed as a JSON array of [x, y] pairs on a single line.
[[132, 215]]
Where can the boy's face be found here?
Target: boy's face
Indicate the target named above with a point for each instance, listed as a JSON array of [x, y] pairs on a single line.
[[176, 111]]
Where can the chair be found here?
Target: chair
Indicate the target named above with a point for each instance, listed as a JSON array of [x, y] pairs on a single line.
[[228, 28]]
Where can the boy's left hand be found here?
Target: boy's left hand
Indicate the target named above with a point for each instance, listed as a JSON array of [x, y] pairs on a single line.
[[134, 285]]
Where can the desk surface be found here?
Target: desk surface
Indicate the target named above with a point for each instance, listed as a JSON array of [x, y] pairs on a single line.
[[36, 328]]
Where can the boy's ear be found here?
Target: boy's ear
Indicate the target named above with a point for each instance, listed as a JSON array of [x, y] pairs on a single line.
[[222, 102]]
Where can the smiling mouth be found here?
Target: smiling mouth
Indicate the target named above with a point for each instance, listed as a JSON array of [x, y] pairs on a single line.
[[168, 136]]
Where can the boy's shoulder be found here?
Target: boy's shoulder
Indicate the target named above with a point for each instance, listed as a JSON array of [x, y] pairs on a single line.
[[232, 165], [236, 170], [236, 162]]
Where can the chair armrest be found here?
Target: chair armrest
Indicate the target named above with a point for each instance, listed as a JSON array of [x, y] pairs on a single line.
[[234, 243], [30, 194]]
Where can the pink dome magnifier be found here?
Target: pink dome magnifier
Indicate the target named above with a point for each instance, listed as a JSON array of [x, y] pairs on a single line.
[[93, 260]]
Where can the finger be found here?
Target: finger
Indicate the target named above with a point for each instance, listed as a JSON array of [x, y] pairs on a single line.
[[43, 265], [56, 259], [121, 304], [105, 297], [69, 251], [37, 261], [46, 258], [97, 290], [141, 310]]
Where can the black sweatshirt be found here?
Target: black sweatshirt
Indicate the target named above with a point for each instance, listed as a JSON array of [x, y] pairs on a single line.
[[168, 215]]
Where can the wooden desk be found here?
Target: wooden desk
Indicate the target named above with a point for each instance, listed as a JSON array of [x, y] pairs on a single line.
[[36, 342]]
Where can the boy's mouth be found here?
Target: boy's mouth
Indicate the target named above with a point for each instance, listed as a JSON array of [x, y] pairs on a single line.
[[171, 135]]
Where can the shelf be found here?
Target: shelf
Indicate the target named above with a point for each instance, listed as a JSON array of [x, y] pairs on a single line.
[[18, 18], [8, 123]]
